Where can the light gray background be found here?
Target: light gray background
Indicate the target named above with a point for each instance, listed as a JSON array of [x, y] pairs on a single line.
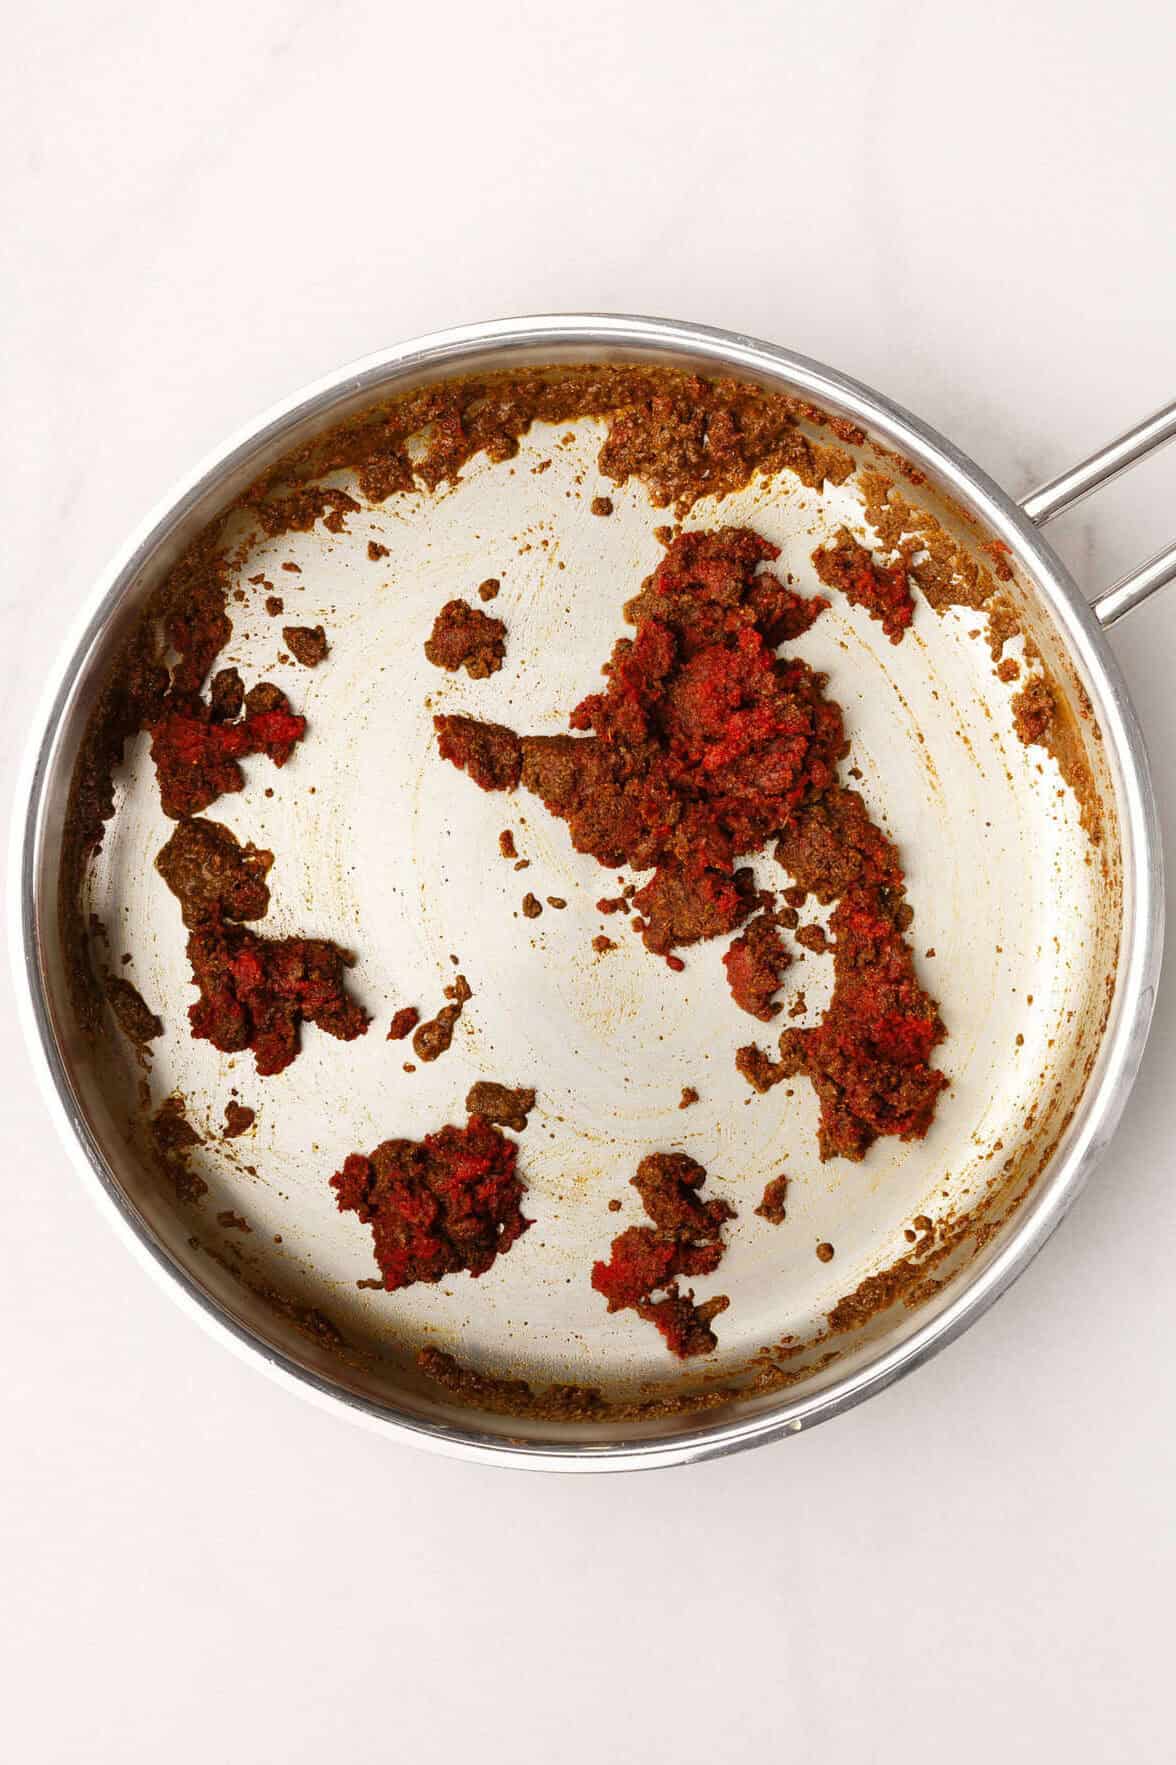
[[205, 206]]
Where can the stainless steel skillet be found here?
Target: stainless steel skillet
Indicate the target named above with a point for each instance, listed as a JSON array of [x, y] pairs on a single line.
[[1036, 935]]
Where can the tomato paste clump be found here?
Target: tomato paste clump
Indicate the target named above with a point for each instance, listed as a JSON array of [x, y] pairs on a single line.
[[685, 1239], [700, 747], [755, 963], [197, 749], [436, 1206], [255, 992], [882, 589], [706, 742], [869, 1057]]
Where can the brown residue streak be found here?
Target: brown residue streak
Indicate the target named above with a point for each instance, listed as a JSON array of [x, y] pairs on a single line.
[[233, 1222], [512, 1397], [174, 1139], [1033, 711], [135, 1017], [1000, 554], [566, 1403], [1042, 718]]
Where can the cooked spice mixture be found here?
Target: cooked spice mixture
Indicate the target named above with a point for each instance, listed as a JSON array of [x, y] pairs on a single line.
[[882, 589], [255, 992], [196, 749], [404, 1022], [239, 1118], [706, 744], [306, 643], [685, 1239], [772, 1203], [436, 1206], [465, 637], [431, 1039], [508, 1107]]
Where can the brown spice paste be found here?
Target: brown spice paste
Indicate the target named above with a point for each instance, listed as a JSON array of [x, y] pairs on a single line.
[[431, 1039], [507, 1106], [772, 1204], [307, 644], [404, 1022], [465, 637]]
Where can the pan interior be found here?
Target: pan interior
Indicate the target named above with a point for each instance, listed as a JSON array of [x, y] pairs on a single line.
[[395, 855]]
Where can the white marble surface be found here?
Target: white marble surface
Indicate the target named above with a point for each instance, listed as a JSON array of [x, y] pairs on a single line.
[[203, 207]]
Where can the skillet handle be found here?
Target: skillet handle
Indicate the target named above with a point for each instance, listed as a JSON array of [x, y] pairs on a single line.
[[1071, 487]]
